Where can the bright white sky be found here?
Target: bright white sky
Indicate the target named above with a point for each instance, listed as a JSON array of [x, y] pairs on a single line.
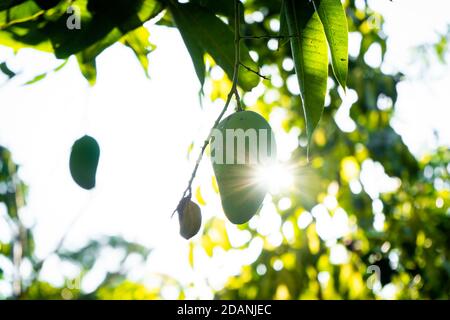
[[144, 128]]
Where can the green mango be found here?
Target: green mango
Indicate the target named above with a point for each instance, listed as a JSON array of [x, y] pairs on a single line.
[[84, 161], [190, 219], [242, 145]]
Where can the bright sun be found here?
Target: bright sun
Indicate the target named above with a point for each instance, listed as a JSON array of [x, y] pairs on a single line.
[[277, 177]]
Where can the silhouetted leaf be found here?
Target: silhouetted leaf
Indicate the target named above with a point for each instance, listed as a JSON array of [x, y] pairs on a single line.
[[196, 52], [105, 26], [47, 4], [284, 29], [212, 35], [6, 4], [223, 8], [6, 70]]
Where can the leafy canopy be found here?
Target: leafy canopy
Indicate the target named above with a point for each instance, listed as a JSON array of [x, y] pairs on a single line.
[[312, 27], [411, 244]]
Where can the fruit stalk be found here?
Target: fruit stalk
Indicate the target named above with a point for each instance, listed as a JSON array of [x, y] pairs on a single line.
[[233, 92]]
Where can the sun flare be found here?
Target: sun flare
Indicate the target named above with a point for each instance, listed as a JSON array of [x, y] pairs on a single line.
[[276, 177]]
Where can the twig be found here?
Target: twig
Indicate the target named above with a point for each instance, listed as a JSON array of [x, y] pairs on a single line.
[[233, 92], [255, 72], [238, 100]]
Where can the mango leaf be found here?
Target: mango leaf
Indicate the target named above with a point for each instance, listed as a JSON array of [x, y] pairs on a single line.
[[138, 41], [27, 24], [37, 78], [209, 33], [47, 4], [88, 67], [31, 16], [223, 8], [62, 65], [195, 50], [334, 21], [6, 4], [166, 20], [86, 58], [6, 70], [107, 25], [147, 10], [310, 54], [25, 34], [135, 40], [284, 29], [25, 11], [41, 76], [67, 42]]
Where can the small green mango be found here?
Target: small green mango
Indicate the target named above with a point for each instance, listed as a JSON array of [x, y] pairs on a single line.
[[84, 161], [190, 219], [247, 138]]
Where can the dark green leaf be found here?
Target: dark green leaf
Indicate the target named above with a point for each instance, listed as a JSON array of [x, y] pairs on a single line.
[[105, 26], [223, 8], [47, 4], [6, 4], [284, 29], [211, 34], [6, 70], [196, 52], [334, 21]]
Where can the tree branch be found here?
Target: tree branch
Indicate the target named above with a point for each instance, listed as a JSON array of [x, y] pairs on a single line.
[[233, 92], [255, 72]]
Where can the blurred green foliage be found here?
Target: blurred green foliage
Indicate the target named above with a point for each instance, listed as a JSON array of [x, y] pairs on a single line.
[[403, 233], [19, 251], [410, 247]]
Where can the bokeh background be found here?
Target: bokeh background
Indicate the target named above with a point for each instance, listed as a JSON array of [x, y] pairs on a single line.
[[367, 217]]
